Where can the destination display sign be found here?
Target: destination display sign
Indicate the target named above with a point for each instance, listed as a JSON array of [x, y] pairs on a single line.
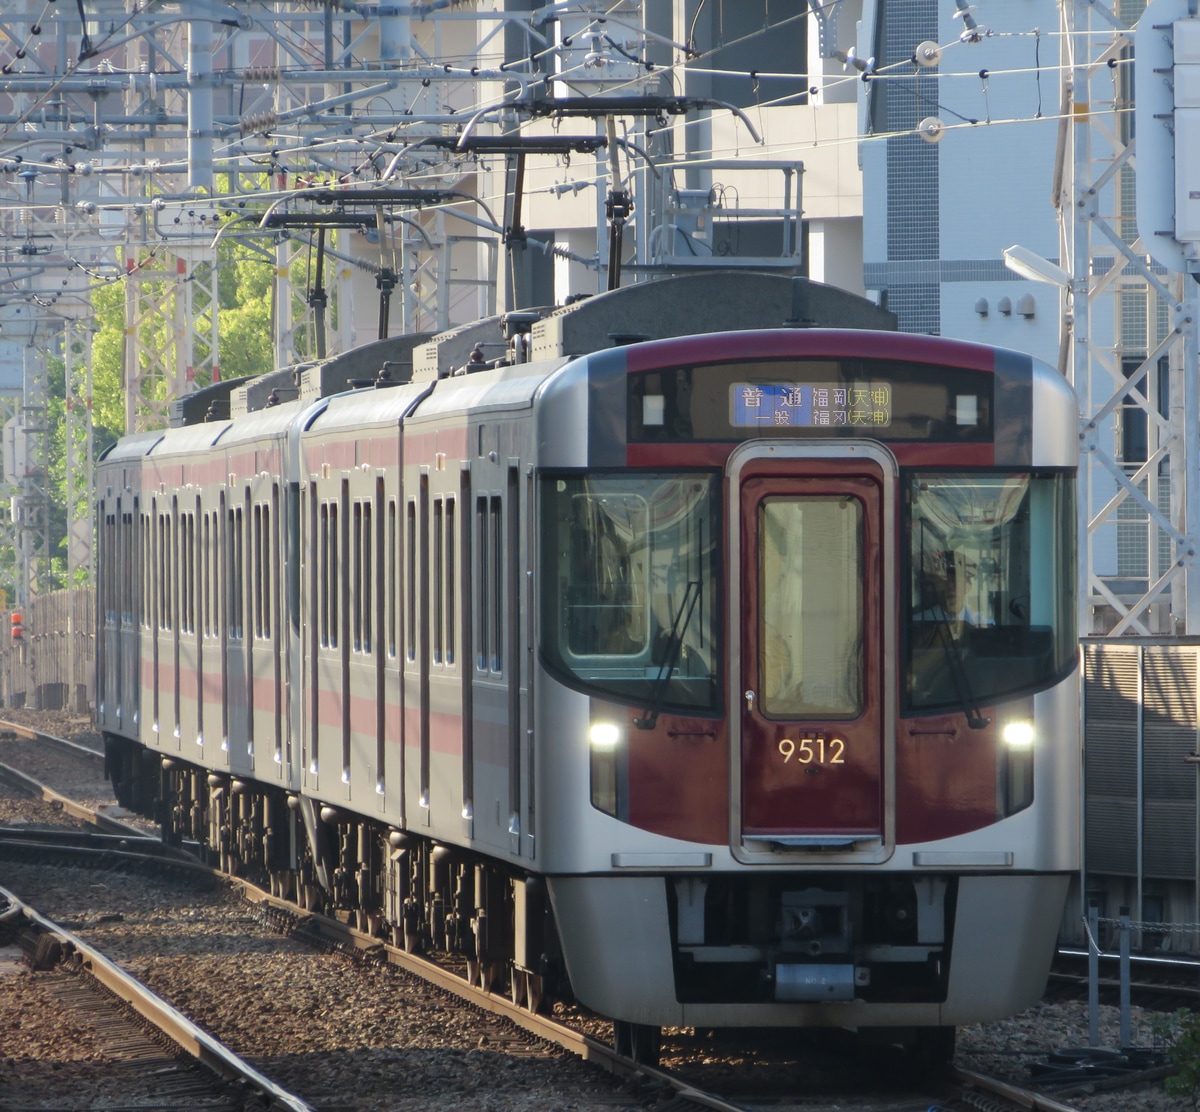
[[883, 399], [804, 405]]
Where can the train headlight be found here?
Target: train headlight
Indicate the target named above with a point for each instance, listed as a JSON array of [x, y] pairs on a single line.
[[1018, 735], [604, 735]]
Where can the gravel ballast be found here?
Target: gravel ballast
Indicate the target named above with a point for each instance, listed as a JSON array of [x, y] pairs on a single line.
[[365, 1037]]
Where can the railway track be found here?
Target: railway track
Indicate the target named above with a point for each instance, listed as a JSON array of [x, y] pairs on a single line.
[[1157, 983], [149, 1050], [688, 1084]]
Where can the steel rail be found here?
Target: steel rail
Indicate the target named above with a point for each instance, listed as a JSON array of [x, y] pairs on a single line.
[[543, 1027], [575, 1042], [22, 781], [1035, 1102], [21, 841], [37, 735], [176, 1026]]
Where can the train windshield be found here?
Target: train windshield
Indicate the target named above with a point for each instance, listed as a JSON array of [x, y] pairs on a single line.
[[629, 586], [991, 586]]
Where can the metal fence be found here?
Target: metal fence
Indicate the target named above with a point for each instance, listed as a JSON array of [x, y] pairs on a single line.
[[48, 652]]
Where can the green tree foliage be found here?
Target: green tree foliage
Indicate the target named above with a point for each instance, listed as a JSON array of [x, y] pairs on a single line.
[[1180, 1033], [108, 349], [244, 340], [244, 290]]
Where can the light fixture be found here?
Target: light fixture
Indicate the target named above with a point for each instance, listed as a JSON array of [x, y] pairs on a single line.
[[981, 307], [1029, 264], [604, 735], [1018, 735], [1026, 307]]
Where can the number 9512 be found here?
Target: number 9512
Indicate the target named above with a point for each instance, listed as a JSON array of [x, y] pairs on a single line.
[[810, 750]]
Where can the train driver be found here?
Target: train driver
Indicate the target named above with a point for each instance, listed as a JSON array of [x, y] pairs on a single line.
[[944, 583]]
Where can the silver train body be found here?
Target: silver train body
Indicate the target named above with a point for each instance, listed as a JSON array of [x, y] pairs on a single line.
[[616, 671]]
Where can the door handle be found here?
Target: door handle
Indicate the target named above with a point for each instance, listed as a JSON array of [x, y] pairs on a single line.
[[749, 700]]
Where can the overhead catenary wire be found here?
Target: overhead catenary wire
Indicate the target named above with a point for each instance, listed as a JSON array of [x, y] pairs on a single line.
[[301, 153]]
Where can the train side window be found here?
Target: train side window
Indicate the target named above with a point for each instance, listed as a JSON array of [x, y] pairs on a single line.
[[393, 598], [106, 597], [126, 581], [159, 533], [179, 553], [174, 544], [411, 561], [450, 598], [107, 580], [481, 581], [112, 575], [131, 552], [205, 562], [365, 582], [356, 579], [439, 578], [160, 571], [194, 576], [191, 572], [629, 585], [335, 579], [256, 561], [267, 576], [215, 541], [170, 563], [496, 572], [196, 558], [323, 561], [147, 569], [237, 571], [111, 600], [361, 541], [187, 572], [181, 570]]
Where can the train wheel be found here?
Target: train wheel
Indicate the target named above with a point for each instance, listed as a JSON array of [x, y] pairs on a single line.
[[534, 989], [473, 971], [639, 1041], [489, 973], [517, 982]]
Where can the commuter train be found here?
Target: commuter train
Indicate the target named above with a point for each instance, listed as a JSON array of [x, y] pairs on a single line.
[[672, 653]]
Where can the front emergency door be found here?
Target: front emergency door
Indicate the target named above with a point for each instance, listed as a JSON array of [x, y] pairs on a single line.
[[811, 628]]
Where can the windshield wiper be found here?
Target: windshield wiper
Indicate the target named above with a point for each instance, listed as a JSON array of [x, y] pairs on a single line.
[[958, 672], [648, 719]]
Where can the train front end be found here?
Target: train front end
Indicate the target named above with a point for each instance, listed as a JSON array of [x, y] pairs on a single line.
[[807, 704]]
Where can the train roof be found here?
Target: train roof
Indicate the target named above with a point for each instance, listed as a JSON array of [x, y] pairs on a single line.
[[689, 304], [387, 362], [135, 446], [263, 423], [502, 388], [663, 308], [366, 408]]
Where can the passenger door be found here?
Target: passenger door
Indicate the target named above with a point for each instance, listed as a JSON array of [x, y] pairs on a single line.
[[813, 592]]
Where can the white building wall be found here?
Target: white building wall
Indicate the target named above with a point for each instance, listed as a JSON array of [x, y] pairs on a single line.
[[995, 162]]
